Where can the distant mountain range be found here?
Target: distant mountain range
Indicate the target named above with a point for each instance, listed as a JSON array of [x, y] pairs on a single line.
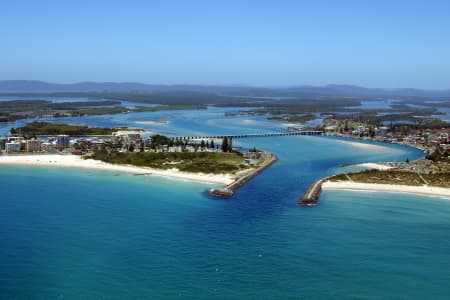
[[32, 86]]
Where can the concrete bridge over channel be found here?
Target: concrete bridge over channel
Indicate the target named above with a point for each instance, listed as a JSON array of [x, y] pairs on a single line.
[[246, 136]]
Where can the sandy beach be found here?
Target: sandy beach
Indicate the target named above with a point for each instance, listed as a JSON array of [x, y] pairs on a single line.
[[365, 146], [74, 161], [373, 166], [422, 190]]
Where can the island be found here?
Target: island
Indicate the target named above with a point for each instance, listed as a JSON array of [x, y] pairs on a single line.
[[47, 129], [13, 110], [301, 118]]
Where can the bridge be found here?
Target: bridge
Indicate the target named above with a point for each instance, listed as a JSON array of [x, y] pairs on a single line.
[[246, 136]]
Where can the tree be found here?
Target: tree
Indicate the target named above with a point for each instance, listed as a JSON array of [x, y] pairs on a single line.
[[407, 160], [202, 144], [212, 146], [160, 140], [225, 144], [230, 145]]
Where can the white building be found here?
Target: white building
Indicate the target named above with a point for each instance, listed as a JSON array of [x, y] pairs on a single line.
[[17, 139], [360, 129], [128, 134], [12, 147]]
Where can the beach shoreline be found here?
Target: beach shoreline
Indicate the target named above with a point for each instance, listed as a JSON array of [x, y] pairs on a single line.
[[370, 165], [75, 161], [390, 188], [364, 146], [354, 140]]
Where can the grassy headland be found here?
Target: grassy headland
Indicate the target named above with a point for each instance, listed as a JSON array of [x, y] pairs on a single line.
[[396, 177], [432, 171]]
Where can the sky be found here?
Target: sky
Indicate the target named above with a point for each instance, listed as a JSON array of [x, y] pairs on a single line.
[[383, 43]]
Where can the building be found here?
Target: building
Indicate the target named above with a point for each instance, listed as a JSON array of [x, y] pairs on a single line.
[[63, 141], [360, 129], [33, 146], [148, 142], [383, 130], [12, 147], [2, 143], [128, 135], [17, 139], [47, 147]]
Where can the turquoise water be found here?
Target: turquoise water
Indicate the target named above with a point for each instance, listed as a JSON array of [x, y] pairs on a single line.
[[78, 234]]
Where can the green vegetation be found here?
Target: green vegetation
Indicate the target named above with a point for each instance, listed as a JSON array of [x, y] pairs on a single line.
[[122, 109], [159, 140], [44, 128], [400, 177], [293, 118], [403, 122], [205, 162], [439, 156], [227, 145], [99, 111], [21, 109]]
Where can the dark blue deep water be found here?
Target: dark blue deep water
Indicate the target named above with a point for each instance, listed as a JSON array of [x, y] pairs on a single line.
[[78, 234]]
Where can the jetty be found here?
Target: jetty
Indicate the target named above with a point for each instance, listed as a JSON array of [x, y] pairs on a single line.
[[311, 196], [247, 136], [229, 190]]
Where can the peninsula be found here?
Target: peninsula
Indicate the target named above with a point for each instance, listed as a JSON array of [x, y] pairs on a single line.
[[125, 150], [428, 176]]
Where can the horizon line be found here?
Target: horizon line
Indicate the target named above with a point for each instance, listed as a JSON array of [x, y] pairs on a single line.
[[243, 85]]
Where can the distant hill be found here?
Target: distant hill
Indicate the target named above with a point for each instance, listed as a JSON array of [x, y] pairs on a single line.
[[33, 86], [41, 86]]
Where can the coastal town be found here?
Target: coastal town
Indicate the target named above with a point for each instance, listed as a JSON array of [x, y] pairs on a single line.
[[216, 155], [428, 175], [40, 137], [425, 138], [135, 151]]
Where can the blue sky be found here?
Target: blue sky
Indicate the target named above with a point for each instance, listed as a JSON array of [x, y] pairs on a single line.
[[371, 43]]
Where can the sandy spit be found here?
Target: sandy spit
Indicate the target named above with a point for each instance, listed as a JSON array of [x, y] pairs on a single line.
[[357, 186]]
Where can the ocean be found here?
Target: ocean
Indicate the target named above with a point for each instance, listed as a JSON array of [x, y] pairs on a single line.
[[81, 234]]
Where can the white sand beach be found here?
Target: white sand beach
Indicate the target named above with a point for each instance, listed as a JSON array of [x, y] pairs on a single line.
[[74, 161], [422, 190], [366, 146], [373, 166]]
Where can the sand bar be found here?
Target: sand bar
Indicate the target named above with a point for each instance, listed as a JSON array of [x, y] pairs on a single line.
[[422, 190], [373, 166], [75, 161], [366, 146]]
